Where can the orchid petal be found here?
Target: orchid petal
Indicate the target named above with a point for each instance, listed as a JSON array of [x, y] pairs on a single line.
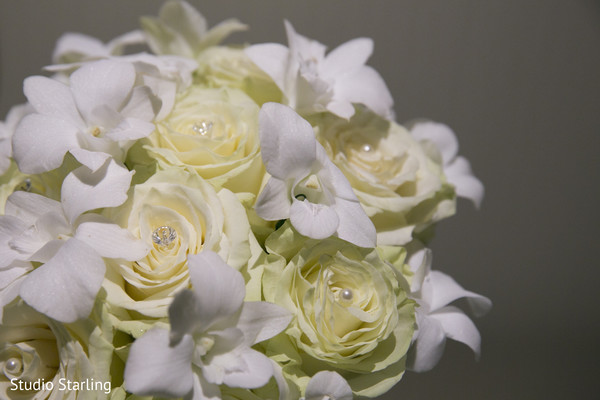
[[287, 141], [302, 46], [235, 364], [426, 352], [354, 225], [203, 390], [219, 288], [273, 202], [10, 292], [28, 207], [76, 46], [261, 321], [182, 18], [336, 180], [445, 290], [84, 190], [116, 45], [46, 229], [466, 184], [9, 227], [328, 385], [154, 368], [347, 57], [77, 272], [317, 221], [185, 315], [439, 134], [250, 369], [102, 83], [130, 129], [219, 32], [272, 59], [91, 159], [365, 86], [341, 108], [142, 105], [52, 99], [459, 327], [111, 241], [41, 141], [17, 270]]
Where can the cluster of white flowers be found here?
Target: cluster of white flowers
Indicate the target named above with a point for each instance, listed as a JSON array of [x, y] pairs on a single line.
[[222, 222]]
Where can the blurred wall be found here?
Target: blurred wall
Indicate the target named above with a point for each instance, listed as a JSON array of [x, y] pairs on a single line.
[[519, 83]]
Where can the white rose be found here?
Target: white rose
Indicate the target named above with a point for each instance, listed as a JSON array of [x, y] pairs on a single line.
[[402, 190], [176, 213], [214, 132], [35, 348], [222, 66]]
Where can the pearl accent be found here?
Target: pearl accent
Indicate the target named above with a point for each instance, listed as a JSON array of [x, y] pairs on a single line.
[[346, 297], [367, 148], [13, 365], [164, 236], [347, 294], [202, 127]]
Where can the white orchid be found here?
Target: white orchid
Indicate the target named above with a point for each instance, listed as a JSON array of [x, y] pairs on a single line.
[[7, 129], [181, 30], [69, 244], [212, 331], [97, 117], [328, 385], [436, 319], [313, 82], [305, 186], [74, 47], [456, 168]]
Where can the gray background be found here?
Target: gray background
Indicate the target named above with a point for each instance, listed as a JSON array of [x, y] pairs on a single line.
[[519, 83]]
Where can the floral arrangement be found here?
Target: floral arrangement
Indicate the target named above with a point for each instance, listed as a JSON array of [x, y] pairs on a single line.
[[213, 221]]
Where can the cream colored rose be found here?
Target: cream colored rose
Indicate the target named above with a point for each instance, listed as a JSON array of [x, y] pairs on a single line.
[[352, 314], [215, 133], [222, 66], [35, 348], [402, 190], [176, 213]]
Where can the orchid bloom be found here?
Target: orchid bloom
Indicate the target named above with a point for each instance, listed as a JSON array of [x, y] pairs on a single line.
[[212, 331], [69, 244], [314, 82], [7, 129], [97, 117], [456, 168], [181, 30], [305, 186], [436, 319], [74, 47], [328, 385]]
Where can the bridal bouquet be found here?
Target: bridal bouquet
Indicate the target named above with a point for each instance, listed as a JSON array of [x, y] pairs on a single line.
[[207, 221]]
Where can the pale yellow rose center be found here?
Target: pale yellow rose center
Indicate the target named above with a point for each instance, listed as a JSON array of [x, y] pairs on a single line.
[[28, 354]]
